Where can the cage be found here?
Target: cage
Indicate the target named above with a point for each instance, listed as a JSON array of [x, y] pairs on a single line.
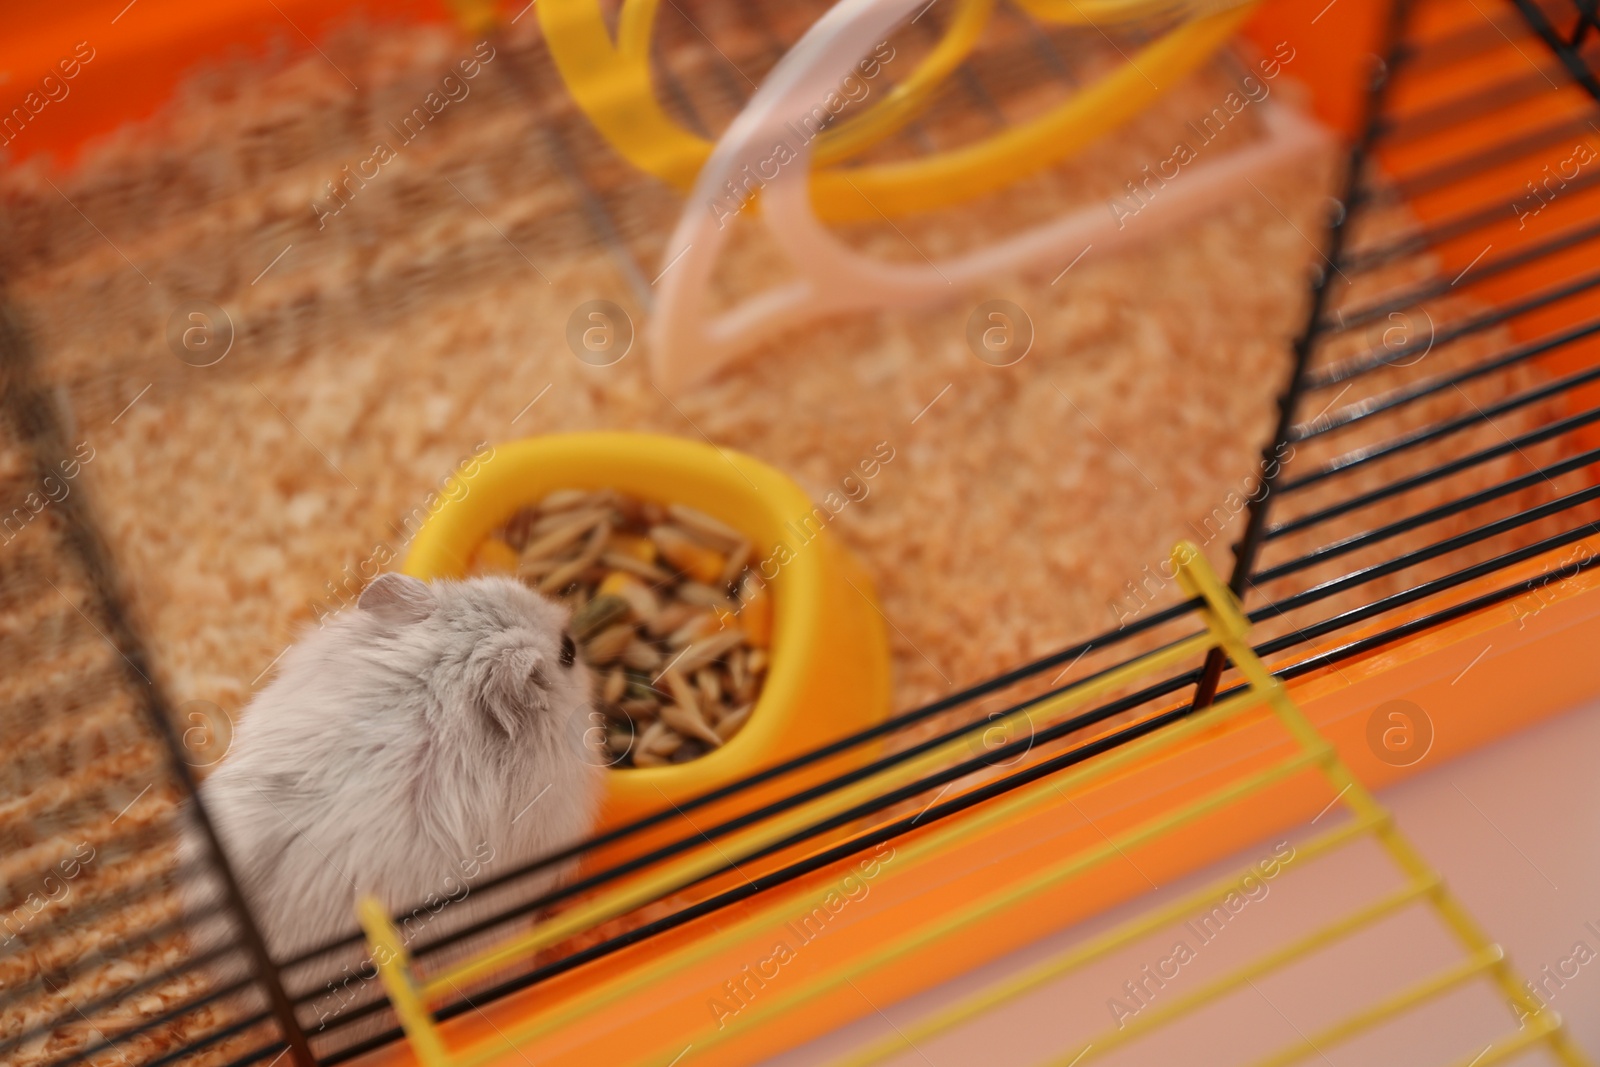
[[1422, 490]]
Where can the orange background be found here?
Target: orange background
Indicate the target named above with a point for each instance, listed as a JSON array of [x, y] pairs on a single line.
[[142, 56]]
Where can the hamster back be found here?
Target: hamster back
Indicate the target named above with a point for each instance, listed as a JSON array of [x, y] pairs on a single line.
[[415, 746]]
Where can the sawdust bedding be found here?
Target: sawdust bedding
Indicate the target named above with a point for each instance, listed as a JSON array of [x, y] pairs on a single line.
[[377, 353], [371, 355]]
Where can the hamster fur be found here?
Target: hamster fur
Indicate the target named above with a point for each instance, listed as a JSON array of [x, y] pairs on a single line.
[[430, 738]]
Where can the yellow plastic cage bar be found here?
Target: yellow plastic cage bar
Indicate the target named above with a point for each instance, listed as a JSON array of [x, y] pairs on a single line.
[[611, 82]]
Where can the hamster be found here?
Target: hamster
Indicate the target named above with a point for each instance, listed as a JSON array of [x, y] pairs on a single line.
[[431, 738]]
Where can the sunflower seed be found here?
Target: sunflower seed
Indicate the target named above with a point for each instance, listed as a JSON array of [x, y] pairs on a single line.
[[705, 651], [608, 645], [701, 625], [714, 532], [681, 691], [641, 656], [672, 617], [704, 596], [564, 500], [531, 570], [619, 561], [659, 740], [689, 723], [563, 535], [562, 576], [689, 555], [640, 709], [710, 687], [638, 595], [548, 523], [616, 684]]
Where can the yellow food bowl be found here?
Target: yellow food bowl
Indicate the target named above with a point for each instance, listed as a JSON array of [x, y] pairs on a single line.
[[828, 673]]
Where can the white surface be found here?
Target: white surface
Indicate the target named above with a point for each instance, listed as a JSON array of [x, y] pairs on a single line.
[[1513, 828]]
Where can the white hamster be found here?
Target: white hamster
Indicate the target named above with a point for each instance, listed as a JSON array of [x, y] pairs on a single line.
[[429, 739]]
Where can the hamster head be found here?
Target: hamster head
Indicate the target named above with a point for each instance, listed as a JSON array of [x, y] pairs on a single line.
[[499, 669]]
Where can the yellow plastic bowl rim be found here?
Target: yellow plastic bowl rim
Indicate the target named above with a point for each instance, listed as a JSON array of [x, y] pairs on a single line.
[[474, 502]]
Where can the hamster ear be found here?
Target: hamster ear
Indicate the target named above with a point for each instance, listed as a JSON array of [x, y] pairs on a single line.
[[397, 598], [517, 688]]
